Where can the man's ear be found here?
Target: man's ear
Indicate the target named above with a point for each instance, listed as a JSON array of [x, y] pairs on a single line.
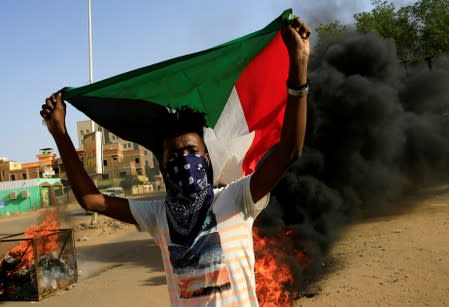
[[206, 155]]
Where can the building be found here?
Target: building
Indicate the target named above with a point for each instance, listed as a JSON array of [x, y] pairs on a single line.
[[104, 156], [86, 127], [25, 195], [120, 158], [44, 167]]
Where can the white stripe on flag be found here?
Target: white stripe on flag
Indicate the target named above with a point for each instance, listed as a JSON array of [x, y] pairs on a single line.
[[229, 141]]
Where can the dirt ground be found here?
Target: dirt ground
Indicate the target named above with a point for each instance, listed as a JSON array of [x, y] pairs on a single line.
[[395, 260]]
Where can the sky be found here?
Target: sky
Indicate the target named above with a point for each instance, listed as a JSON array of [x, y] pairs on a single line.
[[44, 47]]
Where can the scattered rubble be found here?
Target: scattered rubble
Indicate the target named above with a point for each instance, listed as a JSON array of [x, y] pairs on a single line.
[[104, 226]]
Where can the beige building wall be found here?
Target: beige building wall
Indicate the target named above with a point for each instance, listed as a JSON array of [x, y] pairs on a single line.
[[120, 157], [43, 167], [119, 162], [85, 127], [4, 170]]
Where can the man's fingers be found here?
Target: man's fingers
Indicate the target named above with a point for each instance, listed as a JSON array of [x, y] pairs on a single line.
[[49, 102], [46, 109], [44, 114], [304, 31], [53, 99], [48, 105], [302, 28]]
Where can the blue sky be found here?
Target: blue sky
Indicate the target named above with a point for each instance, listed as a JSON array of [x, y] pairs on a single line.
[[43, 47]]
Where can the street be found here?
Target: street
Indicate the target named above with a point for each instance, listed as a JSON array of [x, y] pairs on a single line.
[[122, 254]]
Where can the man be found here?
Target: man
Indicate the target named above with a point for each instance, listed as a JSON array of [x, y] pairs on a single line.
[[205, 235]]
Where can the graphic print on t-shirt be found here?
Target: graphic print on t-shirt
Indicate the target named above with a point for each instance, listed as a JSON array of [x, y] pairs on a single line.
[[200, 269]]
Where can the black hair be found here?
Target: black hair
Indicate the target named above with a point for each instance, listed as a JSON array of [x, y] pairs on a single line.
[[183, 120]]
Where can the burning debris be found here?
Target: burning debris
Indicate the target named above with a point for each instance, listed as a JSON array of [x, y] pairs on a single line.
[[38, 262], [375, 132]]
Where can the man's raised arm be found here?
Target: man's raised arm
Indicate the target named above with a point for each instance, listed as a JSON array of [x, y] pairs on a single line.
[[296, 38], [53, 112]]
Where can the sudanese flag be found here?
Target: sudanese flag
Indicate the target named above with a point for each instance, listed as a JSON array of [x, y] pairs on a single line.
[[240, 85]]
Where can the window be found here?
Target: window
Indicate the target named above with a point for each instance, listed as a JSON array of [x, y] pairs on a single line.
[[122, 174], [24, 176], [145, 152], [137, 160], [129, 145], [99, 129], [82, 132], [13, 177], [114, 158], [87, 130], [105, 162], [124, 145]]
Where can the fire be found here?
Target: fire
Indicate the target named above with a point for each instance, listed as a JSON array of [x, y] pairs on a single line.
[[274, 278], [24, 250]]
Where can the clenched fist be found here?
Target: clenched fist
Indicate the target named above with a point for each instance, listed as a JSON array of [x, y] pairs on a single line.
[[53, 112]]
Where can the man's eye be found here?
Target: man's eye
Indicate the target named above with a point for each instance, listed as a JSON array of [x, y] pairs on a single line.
[[173, 155]]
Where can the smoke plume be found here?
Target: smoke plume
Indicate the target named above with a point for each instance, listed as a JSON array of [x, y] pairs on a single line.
[[376, 129]]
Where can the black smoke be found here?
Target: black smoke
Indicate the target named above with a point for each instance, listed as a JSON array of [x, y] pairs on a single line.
[[377, 129]]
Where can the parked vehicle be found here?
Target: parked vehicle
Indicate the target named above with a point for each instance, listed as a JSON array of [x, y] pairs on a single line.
[[114, 191]]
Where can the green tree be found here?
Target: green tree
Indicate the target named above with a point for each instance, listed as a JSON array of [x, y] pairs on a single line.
[[151, 171], [333, 29], [419, 30], [128, 181], [388, 22], [432, 20]]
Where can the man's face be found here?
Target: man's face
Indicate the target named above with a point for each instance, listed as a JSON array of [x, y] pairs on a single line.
[[186, 143]]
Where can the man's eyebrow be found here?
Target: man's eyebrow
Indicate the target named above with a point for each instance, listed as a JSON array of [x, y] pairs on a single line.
[[187, 146], [191, 146]]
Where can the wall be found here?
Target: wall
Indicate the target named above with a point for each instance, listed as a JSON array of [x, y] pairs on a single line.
[[34, 199], [20, 204]]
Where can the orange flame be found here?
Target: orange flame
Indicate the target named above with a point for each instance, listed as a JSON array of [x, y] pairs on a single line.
[[274, 278], [24, 250]]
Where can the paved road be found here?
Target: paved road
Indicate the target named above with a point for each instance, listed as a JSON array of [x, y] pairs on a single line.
[[126, 249]]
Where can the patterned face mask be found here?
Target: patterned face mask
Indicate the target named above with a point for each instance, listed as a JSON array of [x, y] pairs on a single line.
[[186, 175], [189, 195]]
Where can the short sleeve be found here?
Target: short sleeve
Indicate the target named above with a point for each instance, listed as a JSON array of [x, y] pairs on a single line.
[[146, 213], [249, 207]]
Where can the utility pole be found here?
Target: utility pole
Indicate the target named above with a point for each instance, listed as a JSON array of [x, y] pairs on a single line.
[[89, 22], [94, 220]]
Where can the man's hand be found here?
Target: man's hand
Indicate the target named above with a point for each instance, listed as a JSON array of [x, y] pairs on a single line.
[[53, 112], [296, 38]]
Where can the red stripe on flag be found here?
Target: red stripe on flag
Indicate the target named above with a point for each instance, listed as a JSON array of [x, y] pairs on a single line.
[[262, 92]]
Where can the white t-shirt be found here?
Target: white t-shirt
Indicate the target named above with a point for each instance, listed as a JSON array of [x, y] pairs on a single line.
[[218, 269]]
